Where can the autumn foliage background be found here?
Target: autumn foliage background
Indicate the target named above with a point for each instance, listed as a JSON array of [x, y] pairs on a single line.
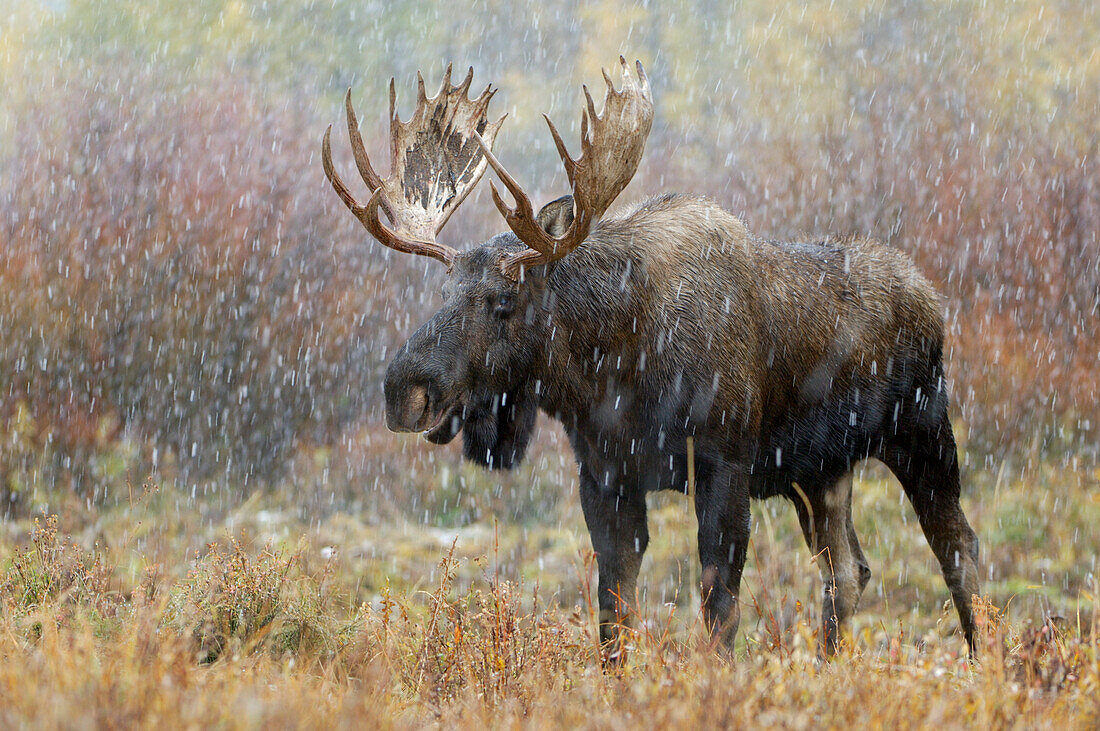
[[185, 303], [177, 278]]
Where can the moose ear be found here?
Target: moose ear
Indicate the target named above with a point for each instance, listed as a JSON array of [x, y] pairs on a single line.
[[555, 216]]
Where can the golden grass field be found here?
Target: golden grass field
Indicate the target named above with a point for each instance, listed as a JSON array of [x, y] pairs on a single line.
[[165, 611]]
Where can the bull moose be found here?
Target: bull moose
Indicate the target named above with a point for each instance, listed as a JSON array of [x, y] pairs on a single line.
[[664, 334]]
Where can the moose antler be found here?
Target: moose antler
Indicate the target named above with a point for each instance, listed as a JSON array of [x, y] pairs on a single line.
[[435, 161], [610, 154]]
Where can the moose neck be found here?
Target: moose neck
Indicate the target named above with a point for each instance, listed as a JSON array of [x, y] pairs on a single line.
[[592, 299]]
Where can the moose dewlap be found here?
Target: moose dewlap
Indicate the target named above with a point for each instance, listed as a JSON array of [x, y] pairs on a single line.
[[785, 363]]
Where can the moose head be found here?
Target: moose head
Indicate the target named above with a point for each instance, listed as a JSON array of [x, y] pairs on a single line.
[[474, 366]]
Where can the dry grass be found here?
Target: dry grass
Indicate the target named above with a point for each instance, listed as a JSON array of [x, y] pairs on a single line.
[[275, 623]]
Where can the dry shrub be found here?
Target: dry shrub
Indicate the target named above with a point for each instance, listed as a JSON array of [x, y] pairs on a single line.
[[142, 676], [172, 281], [53, 572], [232, 603], [484, 644], [491, 656], [1047, 657]]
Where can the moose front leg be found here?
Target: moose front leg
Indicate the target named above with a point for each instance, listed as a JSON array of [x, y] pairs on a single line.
[[722, 510], [616, 520]]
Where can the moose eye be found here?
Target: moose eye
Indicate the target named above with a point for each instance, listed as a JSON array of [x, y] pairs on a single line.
[[502, 305]]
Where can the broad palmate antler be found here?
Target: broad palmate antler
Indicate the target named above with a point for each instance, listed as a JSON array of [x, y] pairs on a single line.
[[611, 148], [435, 161]]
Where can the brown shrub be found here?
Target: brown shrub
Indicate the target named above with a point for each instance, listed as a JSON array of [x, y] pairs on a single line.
[[233, 602], [54, 572], [172, 281]]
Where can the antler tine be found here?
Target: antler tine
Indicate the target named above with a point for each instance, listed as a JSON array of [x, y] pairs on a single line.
[[566, 160], [591, 114], [393, 103], [421, 94], [464, 87], [643, 79], [332, 175], [362, 160], [483, 99], [607, 79], [446, 83]]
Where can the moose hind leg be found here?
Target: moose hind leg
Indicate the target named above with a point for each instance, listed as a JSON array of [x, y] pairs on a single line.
[[857, 551], [927, 466], [616, 521], [825, 515], [722, 512]]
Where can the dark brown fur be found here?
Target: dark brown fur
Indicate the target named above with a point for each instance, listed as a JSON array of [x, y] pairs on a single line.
[[786, 363]]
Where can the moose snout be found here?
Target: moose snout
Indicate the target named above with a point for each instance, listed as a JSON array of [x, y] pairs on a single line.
[[415, 394], [406, 406]]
